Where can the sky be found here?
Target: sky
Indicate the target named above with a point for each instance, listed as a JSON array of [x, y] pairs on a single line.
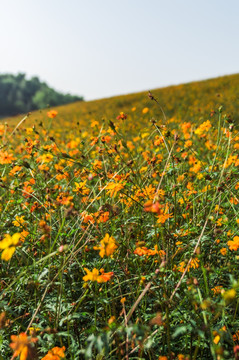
[[102, 48]]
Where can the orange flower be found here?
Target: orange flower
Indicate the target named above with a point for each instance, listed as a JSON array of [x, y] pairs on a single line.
[[141, 251], [52, 114], [204, 127], [104, 216], [149, 206], [113, 188], [160, 210], [223, 251], [6, 158], [234, 244], [22, 345], [145, 251], [104, 277], [217, 289], [122, 116], [105, 139], [15, 170], [97, 165], [107, 246], [94, 275], [145, 110], [81, 188], [91, 275], [87, 217], [56, 353], [193, 264]]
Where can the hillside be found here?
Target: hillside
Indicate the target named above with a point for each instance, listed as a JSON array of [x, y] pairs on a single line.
[[119, 227], [186, 102]]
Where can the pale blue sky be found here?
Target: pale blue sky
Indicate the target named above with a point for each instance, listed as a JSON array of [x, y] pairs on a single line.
[[100, 48]]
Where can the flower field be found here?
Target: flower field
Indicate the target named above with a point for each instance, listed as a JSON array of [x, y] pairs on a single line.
[[119, 227]]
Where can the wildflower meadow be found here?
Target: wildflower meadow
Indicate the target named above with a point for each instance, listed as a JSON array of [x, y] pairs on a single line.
[[119, 227]]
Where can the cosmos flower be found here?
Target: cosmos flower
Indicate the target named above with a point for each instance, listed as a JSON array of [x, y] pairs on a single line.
[[8, 245], [56, 353], [52, 114], [22, 345], [107, 246]]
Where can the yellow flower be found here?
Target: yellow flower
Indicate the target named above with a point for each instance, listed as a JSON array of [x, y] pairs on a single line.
[[81, 188], [96, 275], [193, 264], [145, 110], [33, 330], [204, 127], [216, 339], [229, 295], [91, 275], [114, 188], [29, 131], [8, 245], [46, 158], [107, 246], [19, 221], [111, 320]]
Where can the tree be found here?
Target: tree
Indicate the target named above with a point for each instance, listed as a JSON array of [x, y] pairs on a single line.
[[19, 95]]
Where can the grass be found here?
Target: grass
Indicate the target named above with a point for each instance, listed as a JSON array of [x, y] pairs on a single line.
[[119, 228]]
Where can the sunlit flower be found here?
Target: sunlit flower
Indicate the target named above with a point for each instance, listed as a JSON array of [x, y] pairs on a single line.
[[193, 264], [145, 110], [234, 244], [217, 289], [113, 188], [8, 245], [14, 170], [104, 277], [52, 114], [96, 275], [121, 116], [19, 221], [91, 275], [97, 164], [22, 345], [204, 127], [103, 217], [148, 252], [80, 188], [56, 353], [6, 158], [107, 246], [223, 251], [46, 158]]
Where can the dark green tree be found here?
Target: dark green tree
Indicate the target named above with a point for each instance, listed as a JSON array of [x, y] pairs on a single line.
[[19, 95]]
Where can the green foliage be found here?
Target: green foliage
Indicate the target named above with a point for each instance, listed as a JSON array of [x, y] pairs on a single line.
[[19, 95]]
